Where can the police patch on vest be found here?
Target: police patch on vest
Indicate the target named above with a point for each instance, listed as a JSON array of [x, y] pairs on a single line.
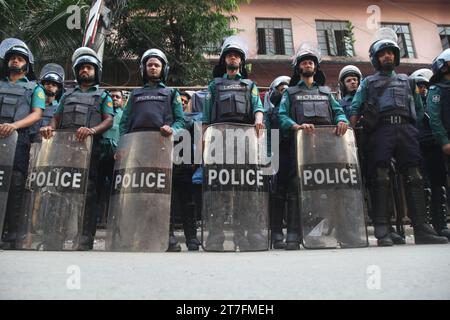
[[436, 98], [310, 97], [248, 178], [142, 180], [5, 176], [329, 176], [232, 87], [149, 98], [63, 179]]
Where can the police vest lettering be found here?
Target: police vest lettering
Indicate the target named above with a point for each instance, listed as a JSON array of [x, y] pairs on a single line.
[[329, 176], [232, 101], [310, 105], [444, 102], [151, 108], [81, 109], [391, 95], [64, 179], [15, 100], [142, 180]]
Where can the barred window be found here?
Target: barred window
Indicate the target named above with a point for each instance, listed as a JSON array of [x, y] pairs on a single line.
[[404, 39], [334, 38], [274, 36], [444, 33]]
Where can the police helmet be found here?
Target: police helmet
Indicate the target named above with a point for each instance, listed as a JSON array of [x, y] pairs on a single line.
[[232, 44], [438, 65], [307, 50], [154, 53], [85, 55], [384, 38], [344, 73], [53, 72], [13, 46], [422, 75]]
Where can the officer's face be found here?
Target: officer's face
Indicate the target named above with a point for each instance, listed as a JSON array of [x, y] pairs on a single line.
[[16, 62], [351, 83], [307, 67], [51, 87], [117, 99], [153, 68], [233, 60], [86, 72], [422, 89], [386, 57], [185, 102]]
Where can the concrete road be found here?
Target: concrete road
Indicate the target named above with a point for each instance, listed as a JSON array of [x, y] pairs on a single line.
[[400, 272]]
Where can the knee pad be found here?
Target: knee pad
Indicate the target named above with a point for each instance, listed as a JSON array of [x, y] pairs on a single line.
[[412, 176], [381, 176]]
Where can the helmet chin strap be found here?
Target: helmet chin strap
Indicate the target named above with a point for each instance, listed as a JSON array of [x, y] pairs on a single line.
[[22, 69]]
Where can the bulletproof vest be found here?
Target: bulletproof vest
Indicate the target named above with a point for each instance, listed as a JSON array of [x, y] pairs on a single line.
[[391, 95], [445, 105], [47, 116], [347, 106], [232, 101], [151, 108], [310, 105], [81, 109], [15, 100]]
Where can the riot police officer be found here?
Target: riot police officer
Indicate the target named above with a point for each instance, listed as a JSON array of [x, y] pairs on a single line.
[[349, 79], [392, 108], [438, 104], [146, 107], [88, 111], [52, 80], [231, 89], [22, 102], [109, 143], [279, 182], [305, 89]]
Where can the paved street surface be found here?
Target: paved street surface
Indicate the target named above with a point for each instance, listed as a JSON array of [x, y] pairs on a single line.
[[400, 272]]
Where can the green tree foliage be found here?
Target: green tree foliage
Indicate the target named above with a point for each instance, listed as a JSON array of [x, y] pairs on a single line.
[[183, 29]]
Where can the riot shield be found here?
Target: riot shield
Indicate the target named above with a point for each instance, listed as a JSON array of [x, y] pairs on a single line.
[[139, 207], [235, 210], [331, 194], [7, 151], [55, 193]]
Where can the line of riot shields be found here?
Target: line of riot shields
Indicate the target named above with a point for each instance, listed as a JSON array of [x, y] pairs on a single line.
[[237, 169]]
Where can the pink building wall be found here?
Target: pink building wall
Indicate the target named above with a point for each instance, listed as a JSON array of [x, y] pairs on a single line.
[[422, 16]]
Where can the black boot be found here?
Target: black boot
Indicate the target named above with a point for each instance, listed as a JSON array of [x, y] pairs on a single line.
[[415, 199], [396, 237], [190, 228], [277, 208], [439, 212], [379, 195], [293, 223]]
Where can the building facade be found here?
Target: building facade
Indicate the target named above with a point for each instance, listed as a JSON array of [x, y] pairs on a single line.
[[343, 30]]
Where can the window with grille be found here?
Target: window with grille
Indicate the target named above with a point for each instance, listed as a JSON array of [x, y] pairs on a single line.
[[444, 33], [274, 36], [334, 38], [404, 39]]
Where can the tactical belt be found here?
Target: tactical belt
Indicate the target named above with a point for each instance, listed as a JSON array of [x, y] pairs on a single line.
[[395, 120]]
